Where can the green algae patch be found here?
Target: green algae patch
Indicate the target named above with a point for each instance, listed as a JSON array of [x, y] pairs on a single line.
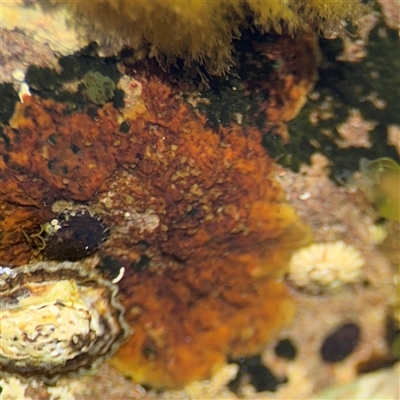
[[227, 99], [8, 100], [268, 81], [381, 178], [84, 77], [99, 89], [41, 79]]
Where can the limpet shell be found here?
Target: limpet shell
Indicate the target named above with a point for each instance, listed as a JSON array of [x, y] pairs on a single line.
[[57, 318]]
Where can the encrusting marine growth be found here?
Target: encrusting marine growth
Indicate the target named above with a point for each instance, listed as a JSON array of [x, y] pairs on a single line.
[[189, 217], [196, 220], [186, 218]]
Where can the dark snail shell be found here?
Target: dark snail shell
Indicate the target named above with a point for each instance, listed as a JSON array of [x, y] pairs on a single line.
[[77, 234]]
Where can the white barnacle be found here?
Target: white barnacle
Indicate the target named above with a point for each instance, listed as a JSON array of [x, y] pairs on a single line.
[[325, 266], [57, 318]]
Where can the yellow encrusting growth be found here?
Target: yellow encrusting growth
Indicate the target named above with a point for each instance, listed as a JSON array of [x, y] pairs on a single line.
[[203, 30]]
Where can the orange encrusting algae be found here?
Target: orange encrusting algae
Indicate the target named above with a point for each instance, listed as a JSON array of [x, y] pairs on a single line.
[[200, 206], [183, 335], [47, 156], [285, 89], [212, 287]]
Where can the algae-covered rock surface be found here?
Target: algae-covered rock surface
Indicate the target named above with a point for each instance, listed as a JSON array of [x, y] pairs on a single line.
[[241, 220]]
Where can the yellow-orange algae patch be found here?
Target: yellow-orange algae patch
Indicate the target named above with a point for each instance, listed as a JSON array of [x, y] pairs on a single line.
[[183, 333], [225, 234], [196, 219]]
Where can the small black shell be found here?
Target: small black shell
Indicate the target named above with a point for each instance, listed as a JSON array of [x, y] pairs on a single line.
[[340, 343], [285, 349], [79, 234]]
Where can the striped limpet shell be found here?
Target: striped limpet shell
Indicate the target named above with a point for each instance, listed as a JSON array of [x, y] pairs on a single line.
[[57, 319]]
